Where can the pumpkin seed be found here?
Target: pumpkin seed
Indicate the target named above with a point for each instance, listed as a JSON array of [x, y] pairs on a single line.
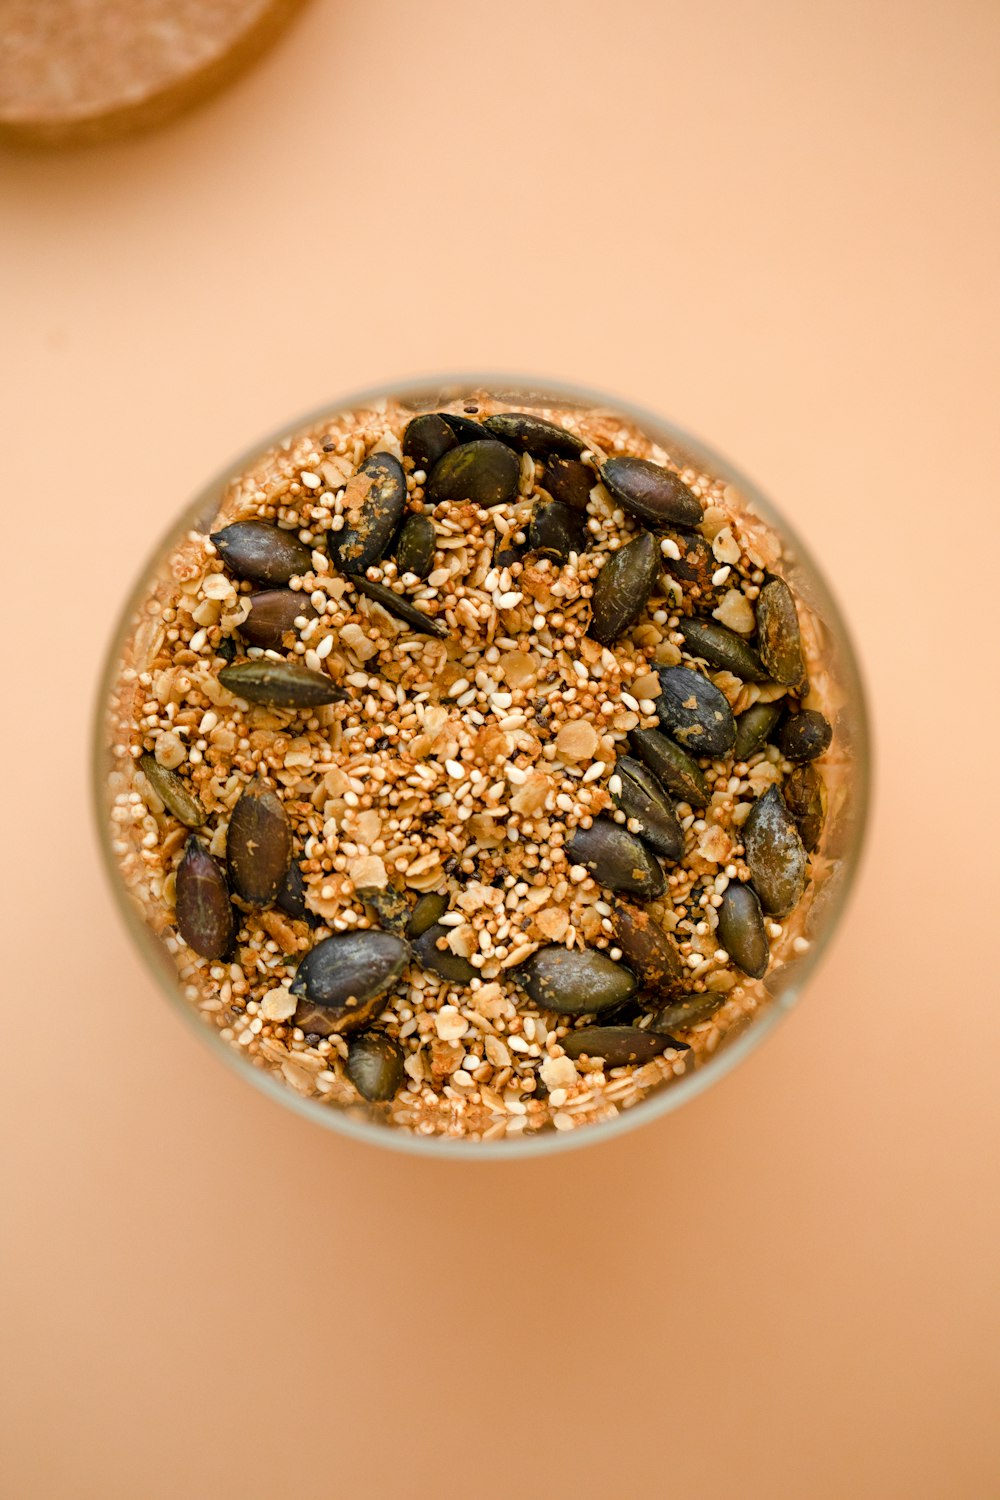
[[258, 844], [805, 735], [695, 712], [373, 505], [415, 546], [670, 765], [426, 439], [280, 684], [261, 552], [753, 728], [741, 930], [532, 435], [618, 1045], [778, 637], [292, 896], [390, 906], [226, 649], [204, 910], [722, 648], [442, 961], [485, 473], [651, 492], [642, 797], [686, 1011], [341, 981], [616, 858], [556, 530], [570, 481], [430, 908], [173, 791], [774, 853], [395, 604], [623, 587], [575, 982], [272, 615], [375, 1066], [697, 562], [647, 949], [464, 428], [805, 798]]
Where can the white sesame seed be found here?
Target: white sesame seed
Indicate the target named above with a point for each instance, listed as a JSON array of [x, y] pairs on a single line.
[[458, 688], [630, 702], [720, 575], [310, 480], [325, 647], [501, 701], [669, 548], [507, 601], [594, 771], [454, 769], [615, 785]]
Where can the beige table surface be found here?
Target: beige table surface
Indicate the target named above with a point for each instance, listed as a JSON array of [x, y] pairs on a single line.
[[778, 224]]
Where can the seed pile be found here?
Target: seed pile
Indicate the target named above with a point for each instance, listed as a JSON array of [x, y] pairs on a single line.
[[467, 766]]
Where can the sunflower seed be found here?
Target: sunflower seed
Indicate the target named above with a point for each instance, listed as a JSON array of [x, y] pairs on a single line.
[[173, 791], [778, 638], [695, 712], [258, 844], [616, 858], [651, 492], [741, 930], [375, 1066], [532, 435], [340, 982], [573, 982], [774, 854], [204, 911], [623, 587], [644, 799], [280, 684], [485, 473], [261, 552]]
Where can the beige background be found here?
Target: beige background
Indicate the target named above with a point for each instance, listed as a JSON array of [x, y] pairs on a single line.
[[776, 223]]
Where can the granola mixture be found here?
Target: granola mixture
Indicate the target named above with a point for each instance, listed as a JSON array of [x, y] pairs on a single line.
[[484, 726]]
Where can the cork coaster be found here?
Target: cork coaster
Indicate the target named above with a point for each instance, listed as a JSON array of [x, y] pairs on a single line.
[[86, 70]]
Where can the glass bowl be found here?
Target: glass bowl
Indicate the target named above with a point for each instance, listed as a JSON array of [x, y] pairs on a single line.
[[842, 837]]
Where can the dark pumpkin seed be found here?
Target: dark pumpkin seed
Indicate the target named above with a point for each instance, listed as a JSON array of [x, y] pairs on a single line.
[[415, 546], [261, 552], [616, 859], [774, 854], [643, 798], [647, 949], [441, 960], [532, 435], [570, 481], [805, 798], [258, 844], [671, 765], [390, 906], [341, 981], [204, 910], [623, 586], [753, 728], [292, 896], [651, 492], [697, 562], [430, 908], [694, 711], [804, 736], [395, 604], [375, 1066], [485, 473], [373, 506], [464, 428], [226, 649], [722, 648], [575, 982], [280, 684], [618, 1045], [686, 1011], [272, 616], [741, 930], [778, 638], [426, 439], [173, 791], [556, 530]]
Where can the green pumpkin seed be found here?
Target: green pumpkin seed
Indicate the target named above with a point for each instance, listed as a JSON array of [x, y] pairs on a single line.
[[341, 981], [426, 439], [173, 791], [272, 616], [373, 506], [258, 845], [262, 553], [753, 728], [617, 859], [722, 648], [532, 435], [804, 736], [375, 1066], [774, 854], [390, 906], [694, 711], [464, 428], [556, 531], [395, 604], [226, 649], [415, 546], [575, 982], [647, 949], [291, 898], [805, 798], [280, 684], [640, 796], [430, 908], [485, 473], [741, 930], [623, 587], [441, 960], [697, 562], [651, 492], [617, 1045], [204, 910], [570, 481], [671, 765], [686, 1011], [778, 638]]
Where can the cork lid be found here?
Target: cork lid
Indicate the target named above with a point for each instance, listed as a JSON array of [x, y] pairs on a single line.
[[78, 70]]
